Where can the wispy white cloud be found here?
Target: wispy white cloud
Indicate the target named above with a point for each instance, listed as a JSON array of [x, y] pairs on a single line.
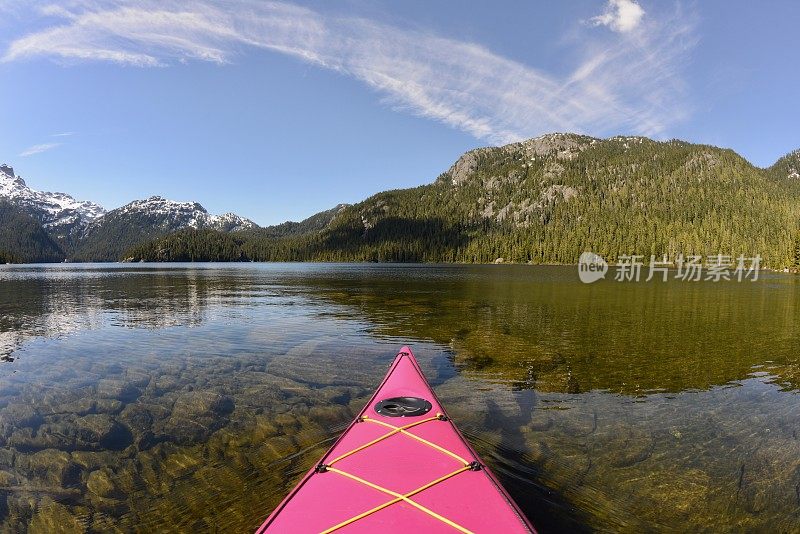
[[38, 149], [626, 81], [63, 134], [620, 15]]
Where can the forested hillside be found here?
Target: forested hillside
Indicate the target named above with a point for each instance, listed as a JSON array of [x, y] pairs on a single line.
[[23, 239], [315, 223], [548, 199]]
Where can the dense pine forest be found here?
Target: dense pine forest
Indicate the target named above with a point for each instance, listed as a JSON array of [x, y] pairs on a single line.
[[193, 245], [544, 200], [23, 239]]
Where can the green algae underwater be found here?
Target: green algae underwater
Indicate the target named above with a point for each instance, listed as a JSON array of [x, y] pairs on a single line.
[[193, 397]]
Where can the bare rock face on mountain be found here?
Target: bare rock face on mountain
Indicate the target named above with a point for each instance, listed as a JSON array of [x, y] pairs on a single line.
[[464, 166], [555, 146], [562, 146]]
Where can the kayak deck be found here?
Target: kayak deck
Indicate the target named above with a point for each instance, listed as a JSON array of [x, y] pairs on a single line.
[[403, 468]]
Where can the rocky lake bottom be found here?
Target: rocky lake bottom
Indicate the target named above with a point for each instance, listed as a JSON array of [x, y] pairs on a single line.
[[175, 398]]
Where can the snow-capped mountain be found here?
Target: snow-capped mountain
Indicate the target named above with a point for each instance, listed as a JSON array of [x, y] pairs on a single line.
[[85, 230], [169, 215], [59, 213], [141, 220], [63, 216]]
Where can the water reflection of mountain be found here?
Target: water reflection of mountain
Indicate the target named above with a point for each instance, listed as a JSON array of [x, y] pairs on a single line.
[[51, 302], [541, 328]]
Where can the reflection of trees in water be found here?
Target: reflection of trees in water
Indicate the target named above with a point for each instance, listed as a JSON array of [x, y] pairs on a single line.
[[161, 300], [51, 303], [33, 307], [534, 327], [541, 328]]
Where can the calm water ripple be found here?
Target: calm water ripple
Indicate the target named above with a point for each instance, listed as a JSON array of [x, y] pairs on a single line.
[[173, 397]]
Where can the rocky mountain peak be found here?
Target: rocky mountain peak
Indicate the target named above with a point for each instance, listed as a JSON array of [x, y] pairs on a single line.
[[794, 165], [7, 175], [8, 170]]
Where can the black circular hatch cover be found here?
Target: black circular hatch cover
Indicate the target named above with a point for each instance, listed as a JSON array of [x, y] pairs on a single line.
[[403, 407]]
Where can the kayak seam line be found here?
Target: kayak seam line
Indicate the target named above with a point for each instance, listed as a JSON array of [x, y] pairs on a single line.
[[393, 501], [465, 466], [396, 430], [400, 497], [402, 430]]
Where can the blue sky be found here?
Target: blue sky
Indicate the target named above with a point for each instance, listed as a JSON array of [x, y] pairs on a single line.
[[278, 110]]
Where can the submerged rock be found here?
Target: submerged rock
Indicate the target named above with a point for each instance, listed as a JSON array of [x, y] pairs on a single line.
[[195, 416], [264, 427], [7, 479], [202, 404], [577, 422], [764, 484], [51, 467], [103, 431], [541, 420], [165, 383], [122, 390], [68, 433], [55, 518], [18, 416], [87, 406], [141, 419], [91, 460], [102, 483], [274, 449]]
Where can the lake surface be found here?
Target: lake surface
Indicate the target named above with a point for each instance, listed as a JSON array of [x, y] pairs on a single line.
[[177, 397]]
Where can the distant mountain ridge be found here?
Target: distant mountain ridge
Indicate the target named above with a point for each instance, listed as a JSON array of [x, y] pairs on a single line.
[[164, 213], [542, 200], [84, 230]]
